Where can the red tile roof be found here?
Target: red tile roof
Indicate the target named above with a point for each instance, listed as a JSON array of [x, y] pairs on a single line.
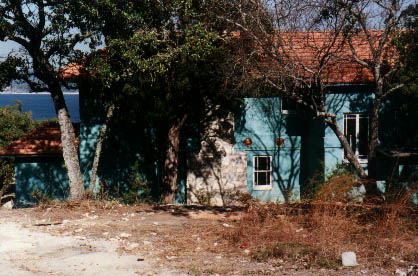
[[303, 50], [44, 140], [301, 54]]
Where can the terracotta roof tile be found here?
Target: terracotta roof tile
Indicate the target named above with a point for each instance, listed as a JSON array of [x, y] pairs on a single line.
[[44, 140], [303, 49]]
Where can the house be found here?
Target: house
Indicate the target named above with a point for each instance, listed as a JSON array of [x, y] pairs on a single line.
[[269, 148], [39, 165]]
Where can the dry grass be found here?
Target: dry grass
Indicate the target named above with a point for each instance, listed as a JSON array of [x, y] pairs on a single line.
[[316, 233]]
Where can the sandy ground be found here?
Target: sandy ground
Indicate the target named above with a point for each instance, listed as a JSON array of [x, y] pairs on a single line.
[[26, 251], [136, 240]]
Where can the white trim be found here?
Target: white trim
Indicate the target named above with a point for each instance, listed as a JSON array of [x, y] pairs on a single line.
[[356, 116], [263, 187]]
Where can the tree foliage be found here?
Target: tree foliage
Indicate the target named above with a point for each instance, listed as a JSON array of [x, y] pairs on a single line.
[[165, 64], [48, 37], [13, 124]]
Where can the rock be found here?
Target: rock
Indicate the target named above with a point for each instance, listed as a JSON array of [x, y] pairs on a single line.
[[399, 272], [147, 243], [8, 205], [349, 259], [124, 235], [226, 225], [246, 251], [132, 246]]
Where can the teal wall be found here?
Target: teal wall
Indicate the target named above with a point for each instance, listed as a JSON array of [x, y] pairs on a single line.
[[133, 149], [45, 174], [341, 100], [295, 162]]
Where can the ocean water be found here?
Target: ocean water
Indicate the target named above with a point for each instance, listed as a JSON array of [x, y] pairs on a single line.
[[40, 104]]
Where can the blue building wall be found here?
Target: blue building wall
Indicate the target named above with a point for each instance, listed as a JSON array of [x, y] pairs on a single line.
[[47, 175], [294, 162]]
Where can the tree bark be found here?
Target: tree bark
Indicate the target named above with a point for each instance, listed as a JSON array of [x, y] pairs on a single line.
[[332, 123], [371, 187], [171, 161], [98, 152], [69, 148]]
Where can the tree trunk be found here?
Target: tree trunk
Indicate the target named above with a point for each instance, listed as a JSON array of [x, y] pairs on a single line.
[[99, 150], [69, 149], [332, 123], [371, 187], [171, 161]]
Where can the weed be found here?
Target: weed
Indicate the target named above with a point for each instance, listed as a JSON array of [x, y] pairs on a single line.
[[317, 232]]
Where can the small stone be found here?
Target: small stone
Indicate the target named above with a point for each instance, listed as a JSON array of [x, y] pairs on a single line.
[[170, 257], [153, 233], [349, 259], [226, 225], [65, 221], [125, 219], [78, 230], [124, 235], [155, 223], [215, 244], [146, 243], [400, 272], [218, 257], [132, 246], [142, 218], [105, 233], [299, 230], [247, 251], [8, 205]]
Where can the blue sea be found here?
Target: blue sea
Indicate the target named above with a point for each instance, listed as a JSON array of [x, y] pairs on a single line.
[[40, 104]]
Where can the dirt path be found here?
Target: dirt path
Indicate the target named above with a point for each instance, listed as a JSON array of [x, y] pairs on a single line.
[[26, 251], [132, 240]]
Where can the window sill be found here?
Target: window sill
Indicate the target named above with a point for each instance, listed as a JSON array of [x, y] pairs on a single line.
[[262, 188]]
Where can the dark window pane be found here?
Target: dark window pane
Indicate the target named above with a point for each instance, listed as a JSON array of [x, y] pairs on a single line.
[[262, 163], [363, 136], [350, 130], [262, 178]]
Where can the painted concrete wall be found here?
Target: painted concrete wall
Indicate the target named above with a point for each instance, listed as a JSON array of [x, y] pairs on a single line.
[[294, 162], [45, 174]]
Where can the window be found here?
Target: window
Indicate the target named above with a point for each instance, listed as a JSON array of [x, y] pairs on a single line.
[[262, 172], [356, 129], [288, 106]]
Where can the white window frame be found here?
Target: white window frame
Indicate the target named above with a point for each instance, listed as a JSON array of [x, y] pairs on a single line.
[[286, 111], [361, 159], [262, 187]]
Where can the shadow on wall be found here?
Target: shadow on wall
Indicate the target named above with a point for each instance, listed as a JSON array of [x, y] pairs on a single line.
[[40, 178], [216, 174], [263, 122]]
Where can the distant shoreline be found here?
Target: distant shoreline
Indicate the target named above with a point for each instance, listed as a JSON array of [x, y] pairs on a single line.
[[34, 93]]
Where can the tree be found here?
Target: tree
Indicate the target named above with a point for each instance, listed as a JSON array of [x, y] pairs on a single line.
[[402, 106], [306, 43], [13, 124], [166, 62], [48, 37]]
